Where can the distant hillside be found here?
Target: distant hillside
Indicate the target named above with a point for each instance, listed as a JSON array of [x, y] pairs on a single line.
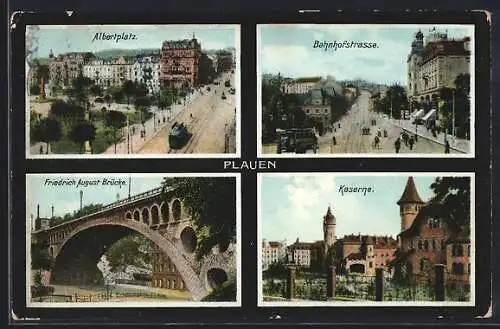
[[113, 53]]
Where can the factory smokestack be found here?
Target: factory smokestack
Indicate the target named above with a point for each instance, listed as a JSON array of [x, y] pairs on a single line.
[[38, 211], [52, 212], [81, 200]]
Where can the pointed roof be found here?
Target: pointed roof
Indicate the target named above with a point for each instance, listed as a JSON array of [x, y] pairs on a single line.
[[329, 218], [410, 194]]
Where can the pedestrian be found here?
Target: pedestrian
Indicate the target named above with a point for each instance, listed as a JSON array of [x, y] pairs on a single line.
[[446, 146], [376, 142], [163, 119], [41, 149], [385, 133], [397, 144], [411, 141], [334, 140], [416, 138], [339, 125]]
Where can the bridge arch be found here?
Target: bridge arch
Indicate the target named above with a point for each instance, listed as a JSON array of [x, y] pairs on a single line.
[[165, 212], [191, 279], [128, 215], [176, 210], [137, 215], [155, 214], [146, 216]]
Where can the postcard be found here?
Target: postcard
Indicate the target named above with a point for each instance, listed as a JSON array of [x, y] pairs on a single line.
[[366, 239], [359, 90], [133, 240], [132, 91]]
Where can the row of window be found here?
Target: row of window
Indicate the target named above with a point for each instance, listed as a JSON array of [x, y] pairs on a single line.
[[169, 284], [317, 111], [458, 268], [428, 245], [457, 250]]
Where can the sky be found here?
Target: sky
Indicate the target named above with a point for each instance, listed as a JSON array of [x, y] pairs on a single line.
[[77, 38], [67, 198], [288, 49], [293, 205]]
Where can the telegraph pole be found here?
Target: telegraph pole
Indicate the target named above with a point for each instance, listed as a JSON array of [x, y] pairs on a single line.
[[453, 115], [81, 200]]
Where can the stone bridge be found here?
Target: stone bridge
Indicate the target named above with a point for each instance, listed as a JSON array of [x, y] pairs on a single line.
[[77, 245]]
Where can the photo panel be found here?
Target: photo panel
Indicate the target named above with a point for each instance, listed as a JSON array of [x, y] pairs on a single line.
[[133, 240], [366, 239], [365, 90], [104, 91]]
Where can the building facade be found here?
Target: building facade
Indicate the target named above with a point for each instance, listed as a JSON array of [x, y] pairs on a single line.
[[225, 61], [300, 85], [146, 70], [165, 274], [273, 252], [179, 63], [434, 62], [64, 68], [426, 240], [363, 254]]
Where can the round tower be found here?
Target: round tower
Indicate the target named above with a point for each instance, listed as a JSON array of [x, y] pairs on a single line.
[[329, 229], [409, 204]]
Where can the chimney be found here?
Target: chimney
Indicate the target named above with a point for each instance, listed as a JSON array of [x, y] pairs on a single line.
[[52, 212], [38, 211]]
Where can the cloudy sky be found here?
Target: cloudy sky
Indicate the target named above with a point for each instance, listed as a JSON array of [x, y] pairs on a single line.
[[288, 49], [293, 205], [75, 38], [67, 198]]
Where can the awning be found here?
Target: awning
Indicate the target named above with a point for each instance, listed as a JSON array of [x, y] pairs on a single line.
[[431, 115], [420, 113]]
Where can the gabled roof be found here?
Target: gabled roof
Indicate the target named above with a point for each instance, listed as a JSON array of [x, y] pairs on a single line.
[[410, 194]]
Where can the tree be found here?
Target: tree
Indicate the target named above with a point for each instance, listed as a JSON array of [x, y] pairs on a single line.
[[115, 120], [117, 96], [48, 130], [211, 201], [95, 90], [79, 90], [452, 201], [34, 90], [462, 104], [141, 104], [42, 75], [129, 90], [165, 99], [66, 112], [133, 250], [82, 132]]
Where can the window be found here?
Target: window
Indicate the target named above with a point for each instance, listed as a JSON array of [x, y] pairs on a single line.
[[419, 244], [433, 244], [426, 245], [371, 264], [457, 268]]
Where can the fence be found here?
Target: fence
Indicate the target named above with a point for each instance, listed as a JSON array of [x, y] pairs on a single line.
[[317, 286], [99, 297]]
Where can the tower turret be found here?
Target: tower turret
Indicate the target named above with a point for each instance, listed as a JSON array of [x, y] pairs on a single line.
[[409, 204], [329, 223]]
